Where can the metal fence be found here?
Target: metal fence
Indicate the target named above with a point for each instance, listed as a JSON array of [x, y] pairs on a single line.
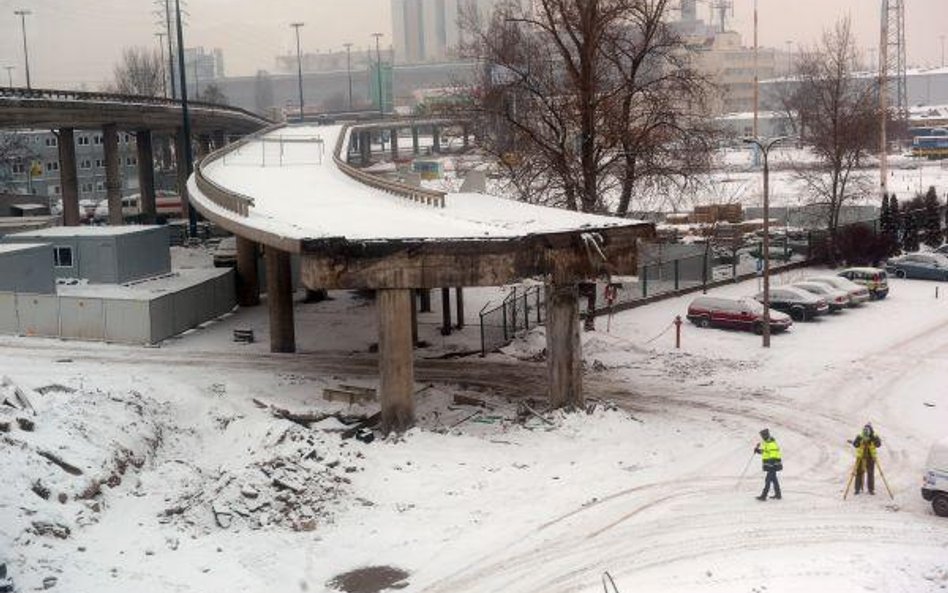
[[522, 309]]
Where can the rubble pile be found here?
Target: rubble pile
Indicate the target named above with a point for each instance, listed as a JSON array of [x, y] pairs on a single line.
[[297, 484]]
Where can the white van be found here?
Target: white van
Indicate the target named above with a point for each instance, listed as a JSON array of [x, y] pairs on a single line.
[[935, 481]]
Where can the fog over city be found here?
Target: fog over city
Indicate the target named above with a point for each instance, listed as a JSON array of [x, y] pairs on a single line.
[[74, 43]]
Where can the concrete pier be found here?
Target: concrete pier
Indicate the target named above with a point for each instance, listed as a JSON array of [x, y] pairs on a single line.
[[280, 301], [113, 178], [248, 283], [445, 311], [397, 375], [459, 301], [68, 176], [563, 346], [146, 175]]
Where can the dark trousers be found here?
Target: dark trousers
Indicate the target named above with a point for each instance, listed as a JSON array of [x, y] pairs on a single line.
[[771, 479], [867, 466]]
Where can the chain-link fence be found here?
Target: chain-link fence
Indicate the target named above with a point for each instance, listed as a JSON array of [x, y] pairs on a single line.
[[522, 309]]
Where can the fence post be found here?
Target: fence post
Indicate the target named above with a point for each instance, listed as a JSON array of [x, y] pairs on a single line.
[[503, 307], [644, 281], [513, 312], [539, 313], [483, 344], [526, 312], [675, 265]]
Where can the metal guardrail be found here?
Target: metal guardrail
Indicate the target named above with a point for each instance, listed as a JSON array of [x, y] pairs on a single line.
[[227, 199], [429, 197], [61, 95]]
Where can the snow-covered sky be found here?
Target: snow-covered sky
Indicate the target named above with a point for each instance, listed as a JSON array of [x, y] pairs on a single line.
[[75, 42]]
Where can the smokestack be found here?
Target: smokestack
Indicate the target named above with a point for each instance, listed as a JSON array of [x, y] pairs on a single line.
[[689, 10]]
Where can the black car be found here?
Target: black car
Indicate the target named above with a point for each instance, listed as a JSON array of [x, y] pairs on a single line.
[[798, 303]]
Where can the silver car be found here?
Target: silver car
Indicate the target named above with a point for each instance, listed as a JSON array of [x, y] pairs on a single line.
[[857, 294], [835, 298]]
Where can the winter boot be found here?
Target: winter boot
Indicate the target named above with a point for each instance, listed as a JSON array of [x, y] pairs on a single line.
[[762, 497]]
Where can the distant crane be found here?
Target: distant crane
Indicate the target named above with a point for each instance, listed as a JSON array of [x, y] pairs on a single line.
[[892, 76]]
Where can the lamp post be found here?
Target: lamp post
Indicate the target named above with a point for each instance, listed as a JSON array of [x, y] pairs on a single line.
[[26, 54], [348, 47], [9, 70], [764, 146], [378, 56], [185, 120], [299, 66]]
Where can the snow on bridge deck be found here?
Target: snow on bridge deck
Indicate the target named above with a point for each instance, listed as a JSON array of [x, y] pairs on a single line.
[[304, 195]]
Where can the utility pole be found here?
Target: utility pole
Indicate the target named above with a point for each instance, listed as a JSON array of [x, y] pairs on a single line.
[[349, 69], [378, 56], [884, 100], [9, 70], [185, 120], [756, 86], [764, 146], [161, 50], [299, 65], [26, 54], [174, 95]]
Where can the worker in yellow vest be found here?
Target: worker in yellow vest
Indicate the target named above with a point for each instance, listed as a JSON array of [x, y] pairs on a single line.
[[769, 451], [866, 443]]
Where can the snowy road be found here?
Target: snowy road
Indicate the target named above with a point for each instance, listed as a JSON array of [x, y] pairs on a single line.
[[656, 499]]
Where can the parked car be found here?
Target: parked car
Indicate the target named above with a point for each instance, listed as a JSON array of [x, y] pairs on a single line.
[[225, 254], [857, 294], [835, 298], [796, 302], [935, 480], [745, 314], [924, 266], [874, 279]]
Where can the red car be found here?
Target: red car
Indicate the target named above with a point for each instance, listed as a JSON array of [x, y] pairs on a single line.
[[745, 314]]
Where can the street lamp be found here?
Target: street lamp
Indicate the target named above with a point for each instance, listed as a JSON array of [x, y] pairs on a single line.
[[378, 56], [26, 54], [764, 145], [299, 66], [348, 47], [185, 121]]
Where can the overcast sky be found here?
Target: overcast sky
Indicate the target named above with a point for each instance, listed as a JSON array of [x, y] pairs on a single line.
[[74, 42]]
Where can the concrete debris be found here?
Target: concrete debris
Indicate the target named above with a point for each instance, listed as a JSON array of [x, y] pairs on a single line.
[[49, 528]]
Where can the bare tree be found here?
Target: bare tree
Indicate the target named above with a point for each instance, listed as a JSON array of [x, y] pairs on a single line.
[[840, 115], [141, 72], [213, 94], [660, 118]]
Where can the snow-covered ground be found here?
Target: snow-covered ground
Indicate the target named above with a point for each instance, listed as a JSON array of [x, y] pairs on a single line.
[[199, 489]]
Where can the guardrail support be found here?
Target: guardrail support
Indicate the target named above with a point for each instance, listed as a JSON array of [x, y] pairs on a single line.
[[146, 176], [68, 177]]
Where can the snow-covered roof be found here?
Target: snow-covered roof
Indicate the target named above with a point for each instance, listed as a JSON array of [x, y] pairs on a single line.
[[300, 193], [143, 290], [14, 247], [85, 231]]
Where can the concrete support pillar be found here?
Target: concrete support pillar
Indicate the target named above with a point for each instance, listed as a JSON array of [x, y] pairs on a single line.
[[68, 176], [220, 139], [146, 176], [415, 145], [280, 301], [435, 139], [459, 301], [393, 136], [113, 177], [248, 283], [424, 296], [365, 148], [182, 170], [445, 311], [414, 318], [397, 382], [563, 346]]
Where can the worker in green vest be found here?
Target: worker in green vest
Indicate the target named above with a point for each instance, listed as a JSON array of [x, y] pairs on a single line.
[[866, 444], [769, 451]]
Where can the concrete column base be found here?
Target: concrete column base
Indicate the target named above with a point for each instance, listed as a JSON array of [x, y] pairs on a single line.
[[280, 301], [396, 359], [563, 346], [248, 283]]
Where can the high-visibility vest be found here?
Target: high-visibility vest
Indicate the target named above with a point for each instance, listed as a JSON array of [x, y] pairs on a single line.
[[770, 453], [863, 444]]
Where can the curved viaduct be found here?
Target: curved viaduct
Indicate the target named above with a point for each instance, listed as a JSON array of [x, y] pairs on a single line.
[[67, 111], [293, 190]]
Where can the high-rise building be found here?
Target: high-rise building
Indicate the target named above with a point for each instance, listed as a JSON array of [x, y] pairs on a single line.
[[428, 30]]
